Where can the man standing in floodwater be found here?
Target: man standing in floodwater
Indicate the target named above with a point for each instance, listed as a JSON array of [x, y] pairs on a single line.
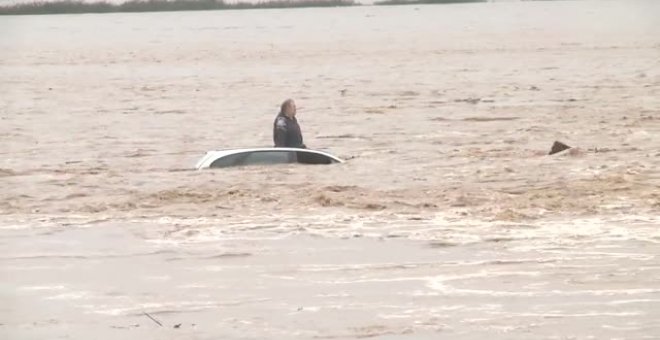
[[286, 131]]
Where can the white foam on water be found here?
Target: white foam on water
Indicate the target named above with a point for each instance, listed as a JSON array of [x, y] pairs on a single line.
[[438, 285], [79, 295], [42, 288], [138, 308], [632, 301], [580, 315]]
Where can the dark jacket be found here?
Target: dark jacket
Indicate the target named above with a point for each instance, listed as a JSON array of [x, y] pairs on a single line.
[[286, 132]]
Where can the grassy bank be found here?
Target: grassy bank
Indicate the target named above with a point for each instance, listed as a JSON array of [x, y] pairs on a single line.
[[423, 2], [77, 6]]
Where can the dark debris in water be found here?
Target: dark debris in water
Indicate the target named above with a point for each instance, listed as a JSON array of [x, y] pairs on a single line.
[[441, 244], [558, 147]]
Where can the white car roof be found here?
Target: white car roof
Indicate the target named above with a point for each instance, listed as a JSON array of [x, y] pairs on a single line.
[[212, 156]]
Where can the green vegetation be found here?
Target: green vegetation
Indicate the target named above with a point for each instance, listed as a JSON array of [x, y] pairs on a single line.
[[423, 2], [78, 6]]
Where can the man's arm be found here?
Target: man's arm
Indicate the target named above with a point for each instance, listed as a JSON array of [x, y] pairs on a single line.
[[302, 145], [279, 133], [299, 136]]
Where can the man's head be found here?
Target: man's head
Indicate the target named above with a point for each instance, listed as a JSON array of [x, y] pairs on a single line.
[[288, 108]]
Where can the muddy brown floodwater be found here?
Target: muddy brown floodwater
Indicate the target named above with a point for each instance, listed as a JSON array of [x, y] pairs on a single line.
[[447, 220]]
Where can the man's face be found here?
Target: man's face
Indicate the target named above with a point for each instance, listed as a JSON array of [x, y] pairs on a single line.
[[291, 109]]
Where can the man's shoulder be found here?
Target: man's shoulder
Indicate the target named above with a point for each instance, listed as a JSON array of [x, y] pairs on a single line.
[[280, 122]]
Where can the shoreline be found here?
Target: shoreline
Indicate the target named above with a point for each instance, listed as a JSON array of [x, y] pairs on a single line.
[[141, 6]]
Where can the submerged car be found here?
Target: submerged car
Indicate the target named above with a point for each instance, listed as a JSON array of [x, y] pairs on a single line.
[[261, 156]]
